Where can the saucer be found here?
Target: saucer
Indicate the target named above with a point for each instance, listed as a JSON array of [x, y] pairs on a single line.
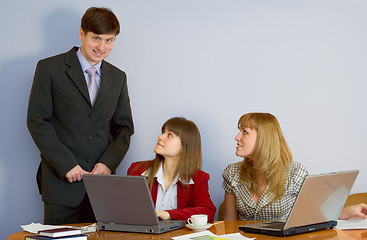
[[202, 228]]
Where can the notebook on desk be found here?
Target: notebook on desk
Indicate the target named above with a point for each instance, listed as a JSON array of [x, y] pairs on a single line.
[[123, 203], [316, 207]]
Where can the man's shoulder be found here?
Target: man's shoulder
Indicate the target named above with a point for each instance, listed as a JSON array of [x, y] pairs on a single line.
[[111, 68], [61, 57]]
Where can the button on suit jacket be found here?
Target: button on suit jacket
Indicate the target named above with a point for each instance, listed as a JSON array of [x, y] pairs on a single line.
[[68, 131]]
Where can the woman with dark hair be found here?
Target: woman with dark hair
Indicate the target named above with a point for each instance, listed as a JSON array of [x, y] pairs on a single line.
[[178, 187]]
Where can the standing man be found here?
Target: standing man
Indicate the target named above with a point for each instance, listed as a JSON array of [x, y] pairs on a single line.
[[79, 116]]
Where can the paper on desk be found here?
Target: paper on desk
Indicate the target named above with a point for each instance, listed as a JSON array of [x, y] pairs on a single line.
[[36, 227], [235, 236], [193, 235], [357, 223], [208, 235]]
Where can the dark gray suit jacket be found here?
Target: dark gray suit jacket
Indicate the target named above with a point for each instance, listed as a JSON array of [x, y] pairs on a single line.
[[68, 131]]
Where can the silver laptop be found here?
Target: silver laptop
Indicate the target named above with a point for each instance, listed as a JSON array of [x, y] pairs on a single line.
[[316, 207], [123, 203]]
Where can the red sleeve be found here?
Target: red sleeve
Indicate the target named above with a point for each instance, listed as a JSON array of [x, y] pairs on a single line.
[[195, 199]]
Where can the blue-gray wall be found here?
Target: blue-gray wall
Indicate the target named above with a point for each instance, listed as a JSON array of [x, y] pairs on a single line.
[[211, 61]]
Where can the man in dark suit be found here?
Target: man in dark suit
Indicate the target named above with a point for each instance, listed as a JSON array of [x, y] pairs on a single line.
[[79, 119]]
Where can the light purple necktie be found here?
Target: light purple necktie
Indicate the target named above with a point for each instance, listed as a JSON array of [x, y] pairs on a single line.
[[92, 84]]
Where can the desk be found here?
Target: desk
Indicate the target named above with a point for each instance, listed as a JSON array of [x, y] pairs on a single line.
[[220, 228]]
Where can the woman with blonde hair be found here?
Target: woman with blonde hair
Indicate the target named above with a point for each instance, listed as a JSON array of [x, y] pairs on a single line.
[[266, 183], [178, 187]]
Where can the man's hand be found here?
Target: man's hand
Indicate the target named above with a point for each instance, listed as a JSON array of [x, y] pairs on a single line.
[[75, 174], [101, 168]]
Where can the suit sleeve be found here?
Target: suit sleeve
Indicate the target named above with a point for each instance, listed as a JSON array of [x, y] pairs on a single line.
[[122, 128], [201, 202], [40, 110]]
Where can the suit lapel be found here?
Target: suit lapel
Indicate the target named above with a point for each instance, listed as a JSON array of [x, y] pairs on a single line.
[[75, 72], [183, 194], [154, 192]]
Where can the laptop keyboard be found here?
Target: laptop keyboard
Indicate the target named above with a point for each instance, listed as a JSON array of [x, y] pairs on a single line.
[[274, 225], [165, 222]]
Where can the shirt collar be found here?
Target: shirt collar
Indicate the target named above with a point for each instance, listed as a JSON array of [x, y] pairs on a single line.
[[85, 64], [159, 176]]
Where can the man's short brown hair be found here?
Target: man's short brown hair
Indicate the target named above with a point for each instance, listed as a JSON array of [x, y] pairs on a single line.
[[100, 21]]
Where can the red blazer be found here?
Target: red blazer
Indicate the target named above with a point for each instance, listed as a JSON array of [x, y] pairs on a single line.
[[191, 200]]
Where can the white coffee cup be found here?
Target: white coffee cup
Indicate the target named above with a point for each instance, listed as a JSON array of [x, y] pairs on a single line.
[[198, 220]]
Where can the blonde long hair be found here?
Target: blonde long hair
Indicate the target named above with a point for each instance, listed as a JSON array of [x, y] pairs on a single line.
[[271, 156], [191, 156]]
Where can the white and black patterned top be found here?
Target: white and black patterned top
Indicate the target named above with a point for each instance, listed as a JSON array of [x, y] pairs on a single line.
[[264, 209]]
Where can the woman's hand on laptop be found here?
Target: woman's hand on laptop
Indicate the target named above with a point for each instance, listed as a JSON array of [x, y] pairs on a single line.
[[163, 214], [358, 210]]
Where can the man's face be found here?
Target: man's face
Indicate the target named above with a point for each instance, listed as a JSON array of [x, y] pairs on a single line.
[[96, 47]]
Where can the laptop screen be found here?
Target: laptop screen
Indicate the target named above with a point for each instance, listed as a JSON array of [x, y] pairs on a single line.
[[321, 198], [120, 199]]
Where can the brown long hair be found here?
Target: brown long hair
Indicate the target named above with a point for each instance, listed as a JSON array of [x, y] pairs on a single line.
[[271, 156], [191, 158]]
